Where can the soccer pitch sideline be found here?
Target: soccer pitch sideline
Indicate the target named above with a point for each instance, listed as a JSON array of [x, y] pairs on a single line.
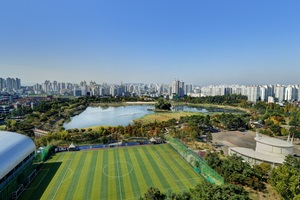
[[115, 173]]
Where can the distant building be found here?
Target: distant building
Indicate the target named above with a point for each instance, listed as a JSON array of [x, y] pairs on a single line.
[[253, 93], [178, 88], [270, 99], [279, 91], [291, 93], [77, 92], [4, 109]]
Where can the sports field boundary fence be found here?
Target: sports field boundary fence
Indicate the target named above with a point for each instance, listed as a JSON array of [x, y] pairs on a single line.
[[44, 154], [199, 165]]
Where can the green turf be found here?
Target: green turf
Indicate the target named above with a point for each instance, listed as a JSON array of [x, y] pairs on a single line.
[[116, 173]]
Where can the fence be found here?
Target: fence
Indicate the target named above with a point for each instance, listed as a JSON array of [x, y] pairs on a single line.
[[43, 154], [199, 165]]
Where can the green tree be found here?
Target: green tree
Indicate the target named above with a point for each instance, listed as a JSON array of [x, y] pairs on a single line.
[[182, 196], [276, 129], [207, 191], [209, 137], [153, 193], [286, 178], [163, 105]]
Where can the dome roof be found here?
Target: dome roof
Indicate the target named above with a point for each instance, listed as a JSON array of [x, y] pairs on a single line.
[[14, 148]]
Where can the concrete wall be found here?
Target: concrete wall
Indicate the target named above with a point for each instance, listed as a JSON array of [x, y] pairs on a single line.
[[280, 152]]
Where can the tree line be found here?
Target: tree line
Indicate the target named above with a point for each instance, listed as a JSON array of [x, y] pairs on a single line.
[[203, 191]]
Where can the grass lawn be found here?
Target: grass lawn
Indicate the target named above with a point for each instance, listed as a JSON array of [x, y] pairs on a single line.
[[165, 116], [115, 173]]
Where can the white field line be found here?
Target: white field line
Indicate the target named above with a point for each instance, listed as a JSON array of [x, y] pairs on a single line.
[[118, 174], [122, 175], [33, 188], [176, 180], [165, 166], [31, 180], [69, 176], [187, 166], [62, 180]]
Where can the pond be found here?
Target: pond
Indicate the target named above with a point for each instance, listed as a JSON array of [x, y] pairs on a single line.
[[123, 115]]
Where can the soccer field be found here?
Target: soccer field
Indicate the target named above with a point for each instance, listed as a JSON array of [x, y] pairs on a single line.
[[115, 173]]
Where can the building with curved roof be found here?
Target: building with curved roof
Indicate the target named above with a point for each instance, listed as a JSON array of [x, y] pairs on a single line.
[[16, 151], [268, 150]]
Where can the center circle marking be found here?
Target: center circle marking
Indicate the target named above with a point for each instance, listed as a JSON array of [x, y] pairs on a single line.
[[119, 165]]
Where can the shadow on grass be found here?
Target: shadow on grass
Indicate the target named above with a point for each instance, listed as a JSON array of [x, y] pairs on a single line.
[[36, 189]]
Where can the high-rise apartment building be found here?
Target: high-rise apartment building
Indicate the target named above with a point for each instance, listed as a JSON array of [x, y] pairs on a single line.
[[279, 93], [253, 93], [178, 88], [175, 87], [9, 84], [18, 83], [188, 88], [181, 89], [291, 93], [2, 84], [263, 93]]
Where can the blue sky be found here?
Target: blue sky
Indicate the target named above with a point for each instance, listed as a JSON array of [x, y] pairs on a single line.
[[198, 41]]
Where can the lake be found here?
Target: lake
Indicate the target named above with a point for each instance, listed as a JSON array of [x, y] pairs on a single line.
[[123, 115]]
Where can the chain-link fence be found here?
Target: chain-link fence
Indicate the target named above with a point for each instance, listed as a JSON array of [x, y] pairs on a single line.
[[199, 165], [43, 154]]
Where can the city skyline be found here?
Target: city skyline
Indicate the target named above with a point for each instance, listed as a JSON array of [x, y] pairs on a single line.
[[177, 89], [203, 43]]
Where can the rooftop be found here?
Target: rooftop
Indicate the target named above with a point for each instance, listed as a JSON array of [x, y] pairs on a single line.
[[14, 148], [256, 155], [273, 141]]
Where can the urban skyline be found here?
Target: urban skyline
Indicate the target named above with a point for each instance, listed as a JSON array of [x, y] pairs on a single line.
[[205, 42], [272, 93]]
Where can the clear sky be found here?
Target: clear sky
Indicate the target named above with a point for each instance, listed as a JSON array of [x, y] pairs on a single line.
[[151, 41]]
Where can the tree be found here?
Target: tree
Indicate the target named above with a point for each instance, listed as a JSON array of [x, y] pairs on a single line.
[[208, 191], [209, 137], [292, 162], [286, 178], [294, 122], [153, 193], [295, 132], [182, 196], [163, 105], [213, 161], [263, 170], [235, 171], [286, 181], [276, 129]]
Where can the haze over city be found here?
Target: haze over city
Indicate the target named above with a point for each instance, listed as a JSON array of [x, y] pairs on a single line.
[[201, 42]]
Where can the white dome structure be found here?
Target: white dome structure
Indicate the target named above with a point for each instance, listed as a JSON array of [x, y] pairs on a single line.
[[15, 148], [268, 150], [273, 147]]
